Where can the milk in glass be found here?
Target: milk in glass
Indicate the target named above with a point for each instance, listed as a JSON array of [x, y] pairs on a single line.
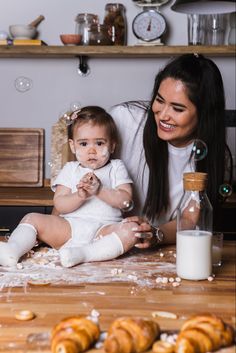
[[194, 259]]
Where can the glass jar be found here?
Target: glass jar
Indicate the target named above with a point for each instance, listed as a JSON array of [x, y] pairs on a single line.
[[194, 229], [116, 19], [99, 34], [215, 29], [83, 23], [232, 31]]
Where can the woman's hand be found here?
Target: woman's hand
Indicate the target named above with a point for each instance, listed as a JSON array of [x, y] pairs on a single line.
[[144, 231]]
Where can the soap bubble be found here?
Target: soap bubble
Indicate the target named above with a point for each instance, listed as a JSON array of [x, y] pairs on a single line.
[[65, 114], [3, 35], [225, 190], [199, 150], [75, 106], [67, 118], [7, 236], [23, 84], [127, 206]]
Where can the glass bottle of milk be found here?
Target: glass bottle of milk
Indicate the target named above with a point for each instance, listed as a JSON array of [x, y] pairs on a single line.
[[194, 229]]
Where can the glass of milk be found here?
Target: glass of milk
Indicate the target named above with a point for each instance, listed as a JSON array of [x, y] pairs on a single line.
[[217, 248]]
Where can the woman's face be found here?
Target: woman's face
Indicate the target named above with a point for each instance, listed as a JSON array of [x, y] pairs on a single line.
[[91, 145], [175, 115]]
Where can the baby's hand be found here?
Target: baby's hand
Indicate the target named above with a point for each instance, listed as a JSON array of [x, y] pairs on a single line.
[[90, 183], [82, 193]]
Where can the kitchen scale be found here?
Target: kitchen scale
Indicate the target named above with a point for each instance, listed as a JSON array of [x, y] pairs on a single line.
[[149, 25]]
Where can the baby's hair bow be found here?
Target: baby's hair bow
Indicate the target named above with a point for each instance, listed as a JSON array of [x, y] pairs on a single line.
[[75, 114], [69, 118]]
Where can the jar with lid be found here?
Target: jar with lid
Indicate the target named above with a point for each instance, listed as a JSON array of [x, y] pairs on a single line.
[[99, 34], [84, 21], [115, 18], [194, 229]]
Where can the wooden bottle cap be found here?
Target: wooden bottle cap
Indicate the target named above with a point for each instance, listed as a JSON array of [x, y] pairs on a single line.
[[195, 181]]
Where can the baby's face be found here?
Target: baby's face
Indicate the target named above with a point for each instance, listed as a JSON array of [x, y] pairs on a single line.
[[92, 145]]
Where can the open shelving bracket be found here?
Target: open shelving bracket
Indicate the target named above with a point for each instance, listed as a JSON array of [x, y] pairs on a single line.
[[83, 68]]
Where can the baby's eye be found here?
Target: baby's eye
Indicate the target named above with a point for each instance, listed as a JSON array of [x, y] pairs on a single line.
[[83, 144], [100, 143]]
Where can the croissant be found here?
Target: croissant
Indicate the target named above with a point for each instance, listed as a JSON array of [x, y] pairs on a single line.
[[163, 347], [131, 335], [200, 334], [74, 335]]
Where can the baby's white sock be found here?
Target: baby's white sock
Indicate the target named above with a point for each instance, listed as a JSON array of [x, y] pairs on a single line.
[[107, 248], [22, 240]]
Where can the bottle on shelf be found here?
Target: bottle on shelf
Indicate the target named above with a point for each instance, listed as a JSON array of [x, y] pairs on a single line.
[[194, 229]]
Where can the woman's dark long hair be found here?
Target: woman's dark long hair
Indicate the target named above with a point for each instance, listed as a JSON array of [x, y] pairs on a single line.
[[204, 86]]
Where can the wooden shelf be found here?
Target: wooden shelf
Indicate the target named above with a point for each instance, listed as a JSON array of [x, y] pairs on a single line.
[[112, 51]]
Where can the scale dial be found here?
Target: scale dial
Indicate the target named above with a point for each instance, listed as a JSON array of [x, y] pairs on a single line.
[[149, 25]]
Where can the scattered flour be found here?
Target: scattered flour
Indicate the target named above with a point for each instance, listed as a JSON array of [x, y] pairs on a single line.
[[42, 266]]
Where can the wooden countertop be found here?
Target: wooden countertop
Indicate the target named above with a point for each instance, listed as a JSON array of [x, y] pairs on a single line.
[[114, 299], [26, 196], [43, 196]]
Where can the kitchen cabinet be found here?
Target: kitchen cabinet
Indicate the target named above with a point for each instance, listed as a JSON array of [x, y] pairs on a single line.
[[16, 202]]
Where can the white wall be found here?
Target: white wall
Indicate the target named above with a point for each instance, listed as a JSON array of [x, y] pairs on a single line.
[[56, 84]]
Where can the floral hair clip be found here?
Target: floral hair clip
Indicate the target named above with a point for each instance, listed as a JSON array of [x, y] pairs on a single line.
[[69, 118]]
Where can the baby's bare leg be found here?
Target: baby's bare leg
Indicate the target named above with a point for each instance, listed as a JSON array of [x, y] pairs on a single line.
[[114, 241], [51, 229]]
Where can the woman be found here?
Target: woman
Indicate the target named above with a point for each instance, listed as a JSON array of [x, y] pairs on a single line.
[[188, 103]]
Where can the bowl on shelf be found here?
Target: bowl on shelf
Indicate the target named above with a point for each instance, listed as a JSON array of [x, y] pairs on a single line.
[[71, 39], [22, 31]]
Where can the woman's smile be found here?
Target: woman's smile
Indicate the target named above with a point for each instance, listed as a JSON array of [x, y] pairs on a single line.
[[165, 126]]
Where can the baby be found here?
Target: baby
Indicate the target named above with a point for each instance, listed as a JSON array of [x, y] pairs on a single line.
[[90, 194]]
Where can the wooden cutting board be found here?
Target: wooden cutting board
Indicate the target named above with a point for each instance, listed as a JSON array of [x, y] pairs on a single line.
[[21, 157]]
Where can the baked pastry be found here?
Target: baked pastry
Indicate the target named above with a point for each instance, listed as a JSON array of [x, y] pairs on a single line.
[[209, 328], [163, 347], [198, 339], [131, 335], [199, 334], [74, 335]]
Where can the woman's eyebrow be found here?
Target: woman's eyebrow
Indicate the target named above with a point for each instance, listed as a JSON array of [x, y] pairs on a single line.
[[176, 104]]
